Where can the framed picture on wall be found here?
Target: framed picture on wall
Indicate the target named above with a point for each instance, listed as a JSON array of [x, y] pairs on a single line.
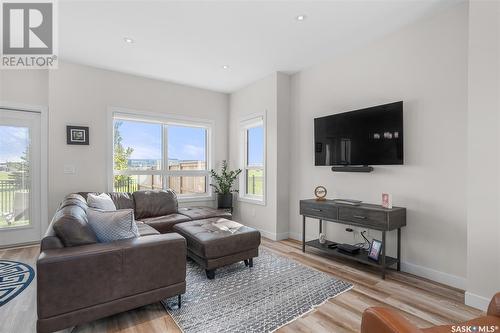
[[77, 135]]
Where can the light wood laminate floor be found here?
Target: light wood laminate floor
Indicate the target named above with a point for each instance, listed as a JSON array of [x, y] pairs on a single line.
[[423, 302]]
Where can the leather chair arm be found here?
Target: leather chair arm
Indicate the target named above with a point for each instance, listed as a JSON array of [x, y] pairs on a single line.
[[73, 278], [494, 307], [383, 320]]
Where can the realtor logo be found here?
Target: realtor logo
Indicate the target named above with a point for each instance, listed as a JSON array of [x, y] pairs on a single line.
[[28, 35]]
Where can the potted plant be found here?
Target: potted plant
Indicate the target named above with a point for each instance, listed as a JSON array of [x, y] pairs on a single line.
[[223, 185]]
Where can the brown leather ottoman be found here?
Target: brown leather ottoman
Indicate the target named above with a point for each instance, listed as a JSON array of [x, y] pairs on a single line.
[[212, 248]]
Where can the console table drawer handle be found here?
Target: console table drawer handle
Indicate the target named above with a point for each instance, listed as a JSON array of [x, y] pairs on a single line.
[[360, 217], [316, 210]]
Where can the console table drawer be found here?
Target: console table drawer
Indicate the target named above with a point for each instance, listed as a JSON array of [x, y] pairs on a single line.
[[363, 216], [330, 212]]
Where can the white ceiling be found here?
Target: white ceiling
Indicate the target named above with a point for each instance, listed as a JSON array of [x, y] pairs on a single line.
[[188, 42]]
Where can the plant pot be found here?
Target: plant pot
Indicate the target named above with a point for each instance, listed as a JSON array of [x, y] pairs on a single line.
[[225, 200]]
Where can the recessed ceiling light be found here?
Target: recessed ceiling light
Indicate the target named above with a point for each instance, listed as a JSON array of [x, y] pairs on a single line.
[[128, 40], [225, 67], [300, 17]]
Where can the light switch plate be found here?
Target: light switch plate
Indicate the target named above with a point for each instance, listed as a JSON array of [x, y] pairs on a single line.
[[69, 169]]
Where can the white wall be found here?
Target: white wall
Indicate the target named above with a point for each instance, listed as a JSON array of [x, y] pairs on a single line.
[[81, 95], [270, 95], [425, 65], [28, 87], [257, 98], [283, 155], [483, 200]]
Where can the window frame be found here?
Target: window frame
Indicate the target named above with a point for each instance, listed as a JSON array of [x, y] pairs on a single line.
[[165, 121], [252, 121]]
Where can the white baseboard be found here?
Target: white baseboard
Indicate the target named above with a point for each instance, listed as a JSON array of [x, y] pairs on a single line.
[[434, 275], [476, 301], [428, 273], [273, 236], [282, 236]]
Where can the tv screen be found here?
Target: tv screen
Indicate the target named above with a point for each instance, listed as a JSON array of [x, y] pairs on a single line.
[[371, 136]]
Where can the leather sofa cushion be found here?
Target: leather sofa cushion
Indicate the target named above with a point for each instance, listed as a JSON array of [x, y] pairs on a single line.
[[154, 203], [210, 244], [199, 213], [70, 222], [122, 200], [165, 224], [74, 199], [146, 230]]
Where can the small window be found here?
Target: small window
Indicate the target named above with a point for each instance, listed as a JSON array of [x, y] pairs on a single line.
[[252, 186]]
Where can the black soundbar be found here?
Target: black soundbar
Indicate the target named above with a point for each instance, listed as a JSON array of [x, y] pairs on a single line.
[[349, 168]]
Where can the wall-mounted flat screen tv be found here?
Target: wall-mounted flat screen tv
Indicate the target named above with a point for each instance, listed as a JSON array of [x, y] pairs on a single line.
[[371, 136]]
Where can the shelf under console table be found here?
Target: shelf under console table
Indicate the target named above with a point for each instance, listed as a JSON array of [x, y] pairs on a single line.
[[367, 216]]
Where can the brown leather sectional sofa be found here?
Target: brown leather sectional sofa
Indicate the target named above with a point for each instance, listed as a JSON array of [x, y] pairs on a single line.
[[80, 280]]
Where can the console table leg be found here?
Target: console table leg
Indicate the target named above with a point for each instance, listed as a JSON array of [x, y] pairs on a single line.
[[399, 250], [383, 255], [320, 226], [303, 234]]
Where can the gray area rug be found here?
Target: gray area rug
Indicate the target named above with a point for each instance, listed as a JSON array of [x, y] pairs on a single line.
[[274, 292]]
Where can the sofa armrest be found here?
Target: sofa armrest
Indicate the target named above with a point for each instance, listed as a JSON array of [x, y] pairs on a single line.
[[50, 242], [494, 307], [78, 277], [383, 320]]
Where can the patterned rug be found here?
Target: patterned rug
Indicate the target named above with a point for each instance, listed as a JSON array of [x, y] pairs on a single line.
[[14, 278], [274, 292]]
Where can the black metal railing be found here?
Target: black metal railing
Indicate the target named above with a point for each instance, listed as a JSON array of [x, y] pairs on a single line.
[[126, 184]]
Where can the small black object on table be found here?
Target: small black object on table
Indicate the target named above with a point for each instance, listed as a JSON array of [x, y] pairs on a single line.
[[364, 215]]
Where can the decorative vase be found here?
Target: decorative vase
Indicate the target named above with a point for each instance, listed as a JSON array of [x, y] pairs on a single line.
[[225, 200], [322, 238]]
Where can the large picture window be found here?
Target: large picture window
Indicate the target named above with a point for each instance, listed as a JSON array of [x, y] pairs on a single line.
[[159, 154], [252, 184]]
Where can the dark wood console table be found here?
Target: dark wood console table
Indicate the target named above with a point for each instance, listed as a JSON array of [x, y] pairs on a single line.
[[364, 215]]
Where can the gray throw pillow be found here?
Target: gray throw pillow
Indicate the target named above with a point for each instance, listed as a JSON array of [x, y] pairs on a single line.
[[101, 201], [112, 225]]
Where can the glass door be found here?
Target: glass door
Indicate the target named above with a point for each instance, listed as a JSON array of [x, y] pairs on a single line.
[[19, 177]]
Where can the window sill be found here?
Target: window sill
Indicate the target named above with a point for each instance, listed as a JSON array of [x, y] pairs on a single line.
[[195, 198], [261, 202]]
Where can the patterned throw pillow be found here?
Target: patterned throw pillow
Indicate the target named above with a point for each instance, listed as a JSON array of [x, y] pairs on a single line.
[[101, 201], [112, 225]]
